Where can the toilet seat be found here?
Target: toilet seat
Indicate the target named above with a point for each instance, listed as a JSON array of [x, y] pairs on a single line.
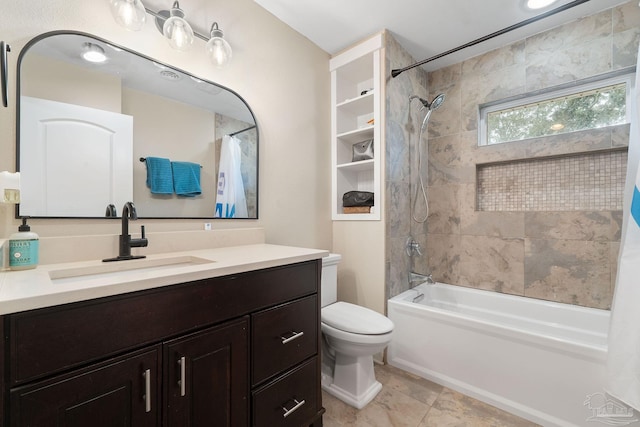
[[352, 339], [355, 319]]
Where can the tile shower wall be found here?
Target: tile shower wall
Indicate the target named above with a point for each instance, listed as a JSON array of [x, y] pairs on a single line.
[[581, 182], [565, 256], [402, 124]]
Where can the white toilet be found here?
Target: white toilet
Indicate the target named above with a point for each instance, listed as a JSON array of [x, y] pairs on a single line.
[[351, 336]]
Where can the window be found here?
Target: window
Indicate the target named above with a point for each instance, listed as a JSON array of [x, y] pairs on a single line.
[[590, 105]]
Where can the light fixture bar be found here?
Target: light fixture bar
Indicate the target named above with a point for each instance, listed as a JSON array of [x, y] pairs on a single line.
[[161, 17], [174, 28]]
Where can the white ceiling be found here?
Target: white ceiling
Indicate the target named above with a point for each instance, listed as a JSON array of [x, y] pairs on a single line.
[[424, 27]]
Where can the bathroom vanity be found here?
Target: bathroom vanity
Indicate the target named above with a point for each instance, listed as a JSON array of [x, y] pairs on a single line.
[[230, 343]]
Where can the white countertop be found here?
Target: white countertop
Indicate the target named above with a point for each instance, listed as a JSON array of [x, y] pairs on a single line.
[[35, 288]]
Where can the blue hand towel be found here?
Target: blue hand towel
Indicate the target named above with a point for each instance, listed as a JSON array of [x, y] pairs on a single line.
[[186, 178], [159, 175]]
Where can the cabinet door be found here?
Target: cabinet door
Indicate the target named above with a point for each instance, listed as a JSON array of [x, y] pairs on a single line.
[[122, 392], [206, 378]]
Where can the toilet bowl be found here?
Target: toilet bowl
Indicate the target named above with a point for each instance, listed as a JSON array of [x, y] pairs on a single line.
[[351, 336]]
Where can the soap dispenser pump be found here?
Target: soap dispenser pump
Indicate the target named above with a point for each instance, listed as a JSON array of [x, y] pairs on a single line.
[[23, 248]]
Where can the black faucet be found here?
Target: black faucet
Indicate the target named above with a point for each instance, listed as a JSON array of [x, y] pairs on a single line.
[[111, 211], [126, 242]]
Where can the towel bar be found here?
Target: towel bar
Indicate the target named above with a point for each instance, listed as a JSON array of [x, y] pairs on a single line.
[[144, 159]]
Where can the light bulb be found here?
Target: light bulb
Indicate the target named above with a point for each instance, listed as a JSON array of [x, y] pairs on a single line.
[[129, 13], [177, 30], [218, 50], [539, 4], [93, 53]]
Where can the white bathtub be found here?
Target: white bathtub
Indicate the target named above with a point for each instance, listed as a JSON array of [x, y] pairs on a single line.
[[537, 359]]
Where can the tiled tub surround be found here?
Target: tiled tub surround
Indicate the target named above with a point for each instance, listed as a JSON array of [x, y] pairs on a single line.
[[561, 256], [403, 121], [582, 182]]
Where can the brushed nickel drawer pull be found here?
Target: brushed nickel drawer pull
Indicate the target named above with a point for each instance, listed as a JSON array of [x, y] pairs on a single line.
[[288, 412], [294, 336], [182, 381], [147, 390]]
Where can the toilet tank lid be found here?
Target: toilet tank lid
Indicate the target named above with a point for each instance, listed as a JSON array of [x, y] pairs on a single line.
[[355, 319]]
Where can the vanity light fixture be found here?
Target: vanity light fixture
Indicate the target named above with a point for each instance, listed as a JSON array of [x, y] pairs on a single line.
[[131, 14], [177, 30], [173, 25], [93, 53], [539, 4], [218, 49]]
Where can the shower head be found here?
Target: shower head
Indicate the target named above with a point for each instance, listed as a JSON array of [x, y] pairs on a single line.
[[434, 104]]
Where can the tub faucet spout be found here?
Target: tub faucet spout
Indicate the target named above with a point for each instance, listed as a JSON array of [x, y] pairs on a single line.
[[416, 279]]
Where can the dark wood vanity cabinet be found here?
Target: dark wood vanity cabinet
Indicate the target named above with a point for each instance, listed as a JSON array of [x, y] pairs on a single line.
[[229, 351]]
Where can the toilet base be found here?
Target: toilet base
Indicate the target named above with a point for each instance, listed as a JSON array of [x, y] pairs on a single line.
[[353, 380], [357, 402]]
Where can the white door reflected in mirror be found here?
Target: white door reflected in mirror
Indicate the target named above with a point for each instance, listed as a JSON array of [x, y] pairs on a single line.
[[64, 146]]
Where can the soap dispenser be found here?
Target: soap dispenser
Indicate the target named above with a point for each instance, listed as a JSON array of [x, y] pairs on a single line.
[[23, 248]]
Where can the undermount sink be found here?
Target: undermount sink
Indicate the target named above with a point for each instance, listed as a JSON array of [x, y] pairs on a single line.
[[120, 268]]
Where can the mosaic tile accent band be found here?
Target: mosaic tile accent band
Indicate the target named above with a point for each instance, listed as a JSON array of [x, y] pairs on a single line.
[[590, 181]]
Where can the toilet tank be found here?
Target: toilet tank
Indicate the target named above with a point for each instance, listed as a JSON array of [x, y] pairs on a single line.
[[329, 282]]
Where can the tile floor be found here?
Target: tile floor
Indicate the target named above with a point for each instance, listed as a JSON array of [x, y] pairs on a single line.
[[410, 401]]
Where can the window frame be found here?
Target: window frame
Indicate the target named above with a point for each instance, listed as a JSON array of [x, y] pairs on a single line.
[[626, 76]]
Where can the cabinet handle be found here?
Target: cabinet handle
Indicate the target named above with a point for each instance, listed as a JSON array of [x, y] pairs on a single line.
[[147, 390], [288, 412], [182, 381], [294, 336]]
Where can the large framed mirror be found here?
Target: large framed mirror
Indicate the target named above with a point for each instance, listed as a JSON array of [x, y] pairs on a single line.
[[93, 135]]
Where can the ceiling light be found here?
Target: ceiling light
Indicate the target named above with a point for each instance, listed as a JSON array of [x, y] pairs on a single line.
[[93, 53], [173, 25], [217, 48], [539, 4], [177, 30], [130, 14]]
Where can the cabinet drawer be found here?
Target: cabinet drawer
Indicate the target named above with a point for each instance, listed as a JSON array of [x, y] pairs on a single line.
[[291, 400], [51, 340], [283, 336]]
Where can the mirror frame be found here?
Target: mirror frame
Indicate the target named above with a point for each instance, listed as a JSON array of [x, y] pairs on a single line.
[[18, 79]]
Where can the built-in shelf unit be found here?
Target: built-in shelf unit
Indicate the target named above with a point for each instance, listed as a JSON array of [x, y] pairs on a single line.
[[355, 117]]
